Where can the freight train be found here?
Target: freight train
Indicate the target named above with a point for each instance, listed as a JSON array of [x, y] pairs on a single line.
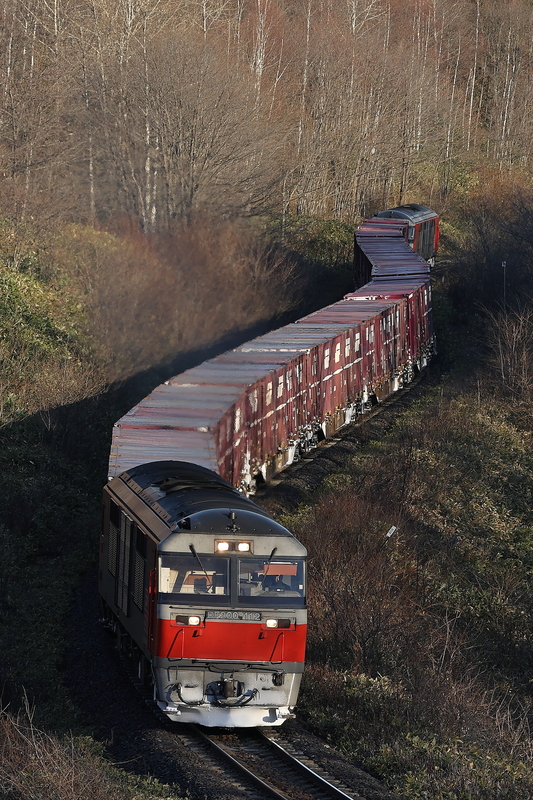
[[204, 591]]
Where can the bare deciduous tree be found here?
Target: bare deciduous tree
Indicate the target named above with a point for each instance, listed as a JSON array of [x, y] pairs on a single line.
[[510, 343]]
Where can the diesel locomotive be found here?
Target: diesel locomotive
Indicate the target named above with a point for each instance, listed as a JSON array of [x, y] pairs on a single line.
[[206, 595]]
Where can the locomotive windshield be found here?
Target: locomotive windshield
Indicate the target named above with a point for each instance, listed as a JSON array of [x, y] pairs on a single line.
[[184, 577], [208, 580], [264, 582]]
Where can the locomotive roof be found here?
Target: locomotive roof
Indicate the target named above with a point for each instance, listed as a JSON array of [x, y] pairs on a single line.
[[188, 497]]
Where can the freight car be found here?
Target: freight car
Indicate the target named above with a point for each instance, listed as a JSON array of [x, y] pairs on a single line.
[[251, 412], [205, 594], [417, 224], [422, 231]]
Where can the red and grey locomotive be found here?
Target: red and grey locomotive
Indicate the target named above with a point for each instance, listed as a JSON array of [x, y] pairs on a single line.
[[206, 594]]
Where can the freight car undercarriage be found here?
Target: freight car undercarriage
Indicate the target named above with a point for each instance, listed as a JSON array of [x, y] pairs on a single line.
[[311, 436]]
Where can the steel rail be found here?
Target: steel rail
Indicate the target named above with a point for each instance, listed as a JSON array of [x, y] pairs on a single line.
[[255, 779], [312, 777], [318, 780]]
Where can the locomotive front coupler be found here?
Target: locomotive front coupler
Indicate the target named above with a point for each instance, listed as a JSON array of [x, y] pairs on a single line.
[[278, 678], [228, 687], [178, 687]]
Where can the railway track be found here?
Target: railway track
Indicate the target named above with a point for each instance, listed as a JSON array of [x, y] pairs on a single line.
[[266, 765]]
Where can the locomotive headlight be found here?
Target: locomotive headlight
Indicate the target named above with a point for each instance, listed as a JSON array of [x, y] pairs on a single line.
[[243, 547], [192, 620], [222, 547], [279, 623]]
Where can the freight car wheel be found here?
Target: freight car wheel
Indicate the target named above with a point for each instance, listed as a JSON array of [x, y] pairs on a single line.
[[258, 480]]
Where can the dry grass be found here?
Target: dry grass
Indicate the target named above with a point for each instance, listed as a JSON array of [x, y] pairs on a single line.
[[419, 657], [149, 299], [35, 765]]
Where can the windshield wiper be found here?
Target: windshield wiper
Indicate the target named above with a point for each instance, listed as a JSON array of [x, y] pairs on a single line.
[[197, 557], [269, 562]]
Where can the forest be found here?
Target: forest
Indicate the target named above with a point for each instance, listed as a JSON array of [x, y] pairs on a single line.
[[179, 175], [161, 154], [160, 109]]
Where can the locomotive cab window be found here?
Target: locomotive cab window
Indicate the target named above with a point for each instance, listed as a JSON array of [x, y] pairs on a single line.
[[261, 582], [184, 578]]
